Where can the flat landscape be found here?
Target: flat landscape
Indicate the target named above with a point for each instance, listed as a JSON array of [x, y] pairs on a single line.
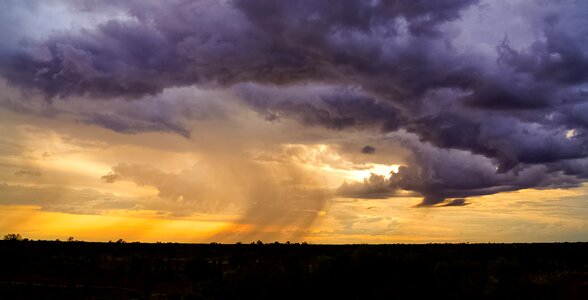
[[83, 270], [407, 149]]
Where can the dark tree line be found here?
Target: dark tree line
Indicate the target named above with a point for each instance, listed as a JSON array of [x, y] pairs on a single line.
[[84, 270]]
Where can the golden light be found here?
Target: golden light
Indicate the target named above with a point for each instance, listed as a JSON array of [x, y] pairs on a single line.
[[146, 226], [378, 169]]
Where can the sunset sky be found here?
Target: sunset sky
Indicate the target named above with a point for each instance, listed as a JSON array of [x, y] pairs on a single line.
[[328, 121]]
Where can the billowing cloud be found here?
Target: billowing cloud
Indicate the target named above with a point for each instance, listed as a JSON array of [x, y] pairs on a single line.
[[480, 115], [376, 186], [189, 42], [333, 107], [439, 174]]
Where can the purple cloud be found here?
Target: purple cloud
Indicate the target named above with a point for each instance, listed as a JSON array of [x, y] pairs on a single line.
[[482, 123]]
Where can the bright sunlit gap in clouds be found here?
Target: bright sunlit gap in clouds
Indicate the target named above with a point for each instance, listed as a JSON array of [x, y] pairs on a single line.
[[377, 169]]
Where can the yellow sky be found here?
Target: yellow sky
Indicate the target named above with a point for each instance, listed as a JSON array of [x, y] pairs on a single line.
[[504, 218], [241, 179]]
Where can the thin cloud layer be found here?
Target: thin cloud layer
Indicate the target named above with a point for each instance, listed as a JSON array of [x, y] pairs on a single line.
[[477, 121]]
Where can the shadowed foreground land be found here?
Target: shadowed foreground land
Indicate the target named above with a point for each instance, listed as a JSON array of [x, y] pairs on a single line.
[[80, 270]]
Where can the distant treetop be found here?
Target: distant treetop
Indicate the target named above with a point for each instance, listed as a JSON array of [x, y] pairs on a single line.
[[13, 237]]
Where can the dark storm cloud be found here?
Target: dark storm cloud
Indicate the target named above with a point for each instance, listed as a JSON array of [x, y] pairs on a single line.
[[484, 124], [457, 202], [368, 150], [507, 139], [188, 42], [561, 57], [360, 15], [328, 106], [439, 174]]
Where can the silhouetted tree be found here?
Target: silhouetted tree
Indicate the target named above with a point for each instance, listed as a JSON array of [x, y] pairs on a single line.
[[13, 237]]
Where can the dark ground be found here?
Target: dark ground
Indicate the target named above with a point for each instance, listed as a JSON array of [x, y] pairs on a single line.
[[80, 270]]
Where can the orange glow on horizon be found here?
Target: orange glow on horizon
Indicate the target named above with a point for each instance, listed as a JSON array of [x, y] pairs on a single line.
[[144, 226]]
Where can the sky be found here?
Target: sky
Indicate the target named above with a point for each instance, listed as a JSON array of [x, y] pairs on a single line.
[[320, 121]]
